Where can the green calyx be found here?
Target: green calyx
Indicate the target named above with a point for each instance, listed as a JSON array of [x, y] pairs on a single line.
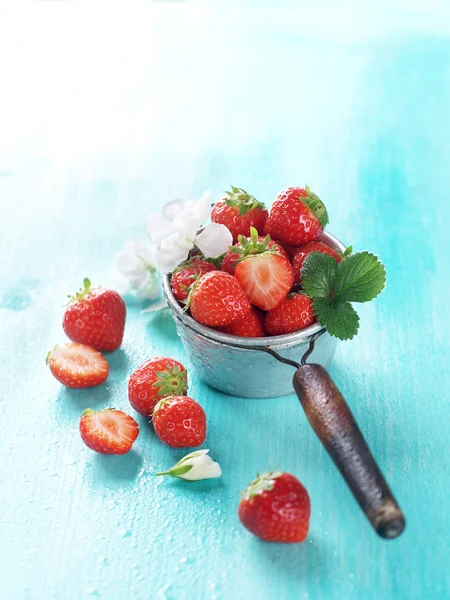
[[85, 290], [315, 204], [251, 245], [238, 198], [178, 472], [333, 286], [89, 411], [262, 483], [180, 468], [171, 382]]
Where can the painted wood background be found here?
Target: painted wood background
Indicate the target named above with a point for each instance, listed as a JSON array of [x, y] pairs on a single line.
[[107, 112]]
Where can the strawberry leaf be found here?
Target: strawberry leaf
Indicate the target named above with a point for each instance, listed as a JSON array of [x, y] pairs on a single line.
[[318, 274], [338, 316], [359, 278]]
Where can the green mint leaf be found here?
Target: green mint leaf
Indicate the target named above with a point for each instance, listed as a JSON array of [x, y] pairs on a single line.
[[360, 277], [318, 274], [338, 316]]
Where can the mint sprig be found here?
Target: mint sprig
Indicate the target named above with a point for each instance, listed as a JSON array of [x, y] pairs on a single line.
[[358, 277]]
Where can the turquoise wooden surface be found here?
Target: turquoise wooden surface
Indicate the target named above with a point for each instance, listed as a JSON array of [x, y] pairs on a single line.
[[106, 115]]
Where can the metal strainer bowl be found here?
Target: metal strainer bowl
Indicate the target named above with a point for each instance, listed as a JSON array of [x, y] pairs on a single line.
[[233, 364]]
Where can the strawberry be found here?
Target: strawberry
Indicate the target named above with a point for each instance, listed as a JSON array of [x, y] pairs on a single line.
[[217, 299], [297, 216], [180, 422], [239, 211], [108, 431], [294, 313], [157, 378], [250, 326], [266, 278], [96, 317], [276, 508], [185, 275], [77, 365], [247, 246], [302, 252]]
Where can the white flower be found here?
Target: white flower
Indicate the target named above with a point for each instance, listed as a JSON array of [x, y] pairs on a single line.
[[174, 232], [194, 466], [136, 264]]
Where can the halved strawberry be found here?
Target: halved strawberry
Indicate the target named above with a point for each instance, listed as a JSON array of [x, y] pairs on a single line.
[[108, 431], [77, 365], [255, 244], [265, 278]]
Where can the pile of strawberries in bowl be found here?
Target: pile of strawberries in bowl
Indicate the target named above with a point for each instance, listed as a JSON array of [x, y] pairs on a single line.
[[255, 289]]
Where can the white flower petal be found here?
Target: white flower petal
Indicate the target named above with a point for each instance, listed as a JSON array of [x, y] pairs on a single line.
[[172, 253], [214, 240], [202, 467], [201, 208], [187, 225], [172, 209], [158, 228], [135, 259]]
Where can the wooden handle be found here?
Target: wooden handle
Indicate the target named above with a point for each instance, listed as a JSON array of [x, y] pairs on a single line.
[[338, 431]]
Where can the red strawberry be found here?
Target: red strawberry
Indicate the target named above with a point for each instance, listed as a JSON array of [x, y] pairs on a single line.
[[276, 508], [96, 317], [185, 275], [180, 422], [294, 313], [265, 278], [297, 216], [108, 431], [239, 211], [77, 365], [157, 378], [247, 246], [217, 299], [250, 326], [302, 252]]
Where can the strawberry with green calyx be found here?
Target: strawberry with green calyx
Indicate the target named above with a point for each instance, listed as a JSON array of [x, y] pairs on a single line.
[[297, 216], [266, 277], [276, 508], [184, 276], [293, 314], [157, 378], [302, 252], [95, 317], [333, 286], [255, 244], [239, 211]]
